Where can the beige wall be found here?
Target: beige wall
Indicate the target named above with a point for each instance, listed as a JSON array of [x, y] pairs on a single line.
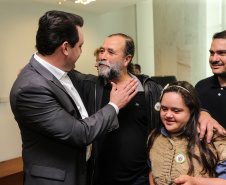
[[145, 37], [179, 38], [18, 25]]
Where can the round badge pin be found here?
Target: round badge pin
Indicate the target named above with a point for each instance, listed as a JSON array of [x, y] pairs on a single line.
[[180, 158], [157, 106]]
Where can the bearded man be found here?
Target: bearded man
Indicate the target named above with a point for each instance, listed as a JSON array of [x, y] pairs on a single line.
[[119, 158]]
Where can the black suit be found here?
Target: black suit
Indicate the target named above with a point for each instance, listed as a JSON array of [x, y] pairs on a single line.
[[54, 136]]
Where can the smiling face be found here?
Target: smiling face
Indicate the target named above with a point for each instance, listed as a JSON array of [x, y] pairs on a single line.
[[112, 61], [217, 58], [174, 113]]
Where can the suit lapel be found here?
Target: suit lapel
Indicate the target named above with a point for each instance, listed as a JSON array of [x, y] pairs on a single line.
[[75, 82], [46, 73], [99, 89], [49, 76]]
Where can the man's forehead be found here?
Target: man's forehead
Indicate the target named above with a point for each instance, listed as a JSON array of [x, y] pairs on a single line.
[[114, 42], [218, 44], [219, 41]]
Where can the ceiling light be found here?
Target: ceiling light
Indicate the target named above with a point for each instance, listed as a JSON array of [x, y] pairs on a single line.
[[84, 1]]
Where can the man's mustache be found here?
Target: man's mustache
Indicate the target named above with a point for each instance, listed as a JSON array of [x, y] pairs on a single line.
[[217, 62], [104, 63]]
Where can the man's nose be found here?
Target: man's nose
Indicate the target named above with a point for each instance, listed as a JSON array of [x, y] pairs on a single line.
[[103, 55], [215, 57]]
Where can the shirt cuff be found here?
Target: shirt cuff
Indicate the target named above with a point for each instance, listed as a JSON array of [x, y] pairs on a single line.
[[115, 106], [202, 109]]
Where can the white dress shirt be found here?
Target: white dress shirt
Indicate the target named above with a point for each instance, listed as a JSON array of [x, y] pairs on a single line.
[[67, 84]]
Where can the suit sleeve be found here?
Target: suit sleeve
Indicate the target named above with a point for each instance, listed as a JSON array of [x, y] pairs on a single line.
[[37, 108]]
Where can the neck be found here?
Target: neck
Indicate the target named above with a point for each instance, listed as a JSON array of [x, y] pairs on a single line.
[[222, 81], [53, 59], [121, 80]]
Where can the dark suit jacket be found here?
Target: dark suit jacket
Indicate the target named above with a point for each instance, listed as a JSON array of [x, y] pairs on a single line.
[[54, 136]]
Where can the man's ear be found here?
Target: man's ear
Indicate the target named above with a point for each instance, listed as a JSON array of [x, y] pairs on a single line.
[[127, 60], [64, 48]]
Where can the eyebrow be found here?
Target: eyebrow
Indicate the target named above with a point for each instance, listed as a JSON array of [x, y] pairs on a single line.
[[172, 107], [217, 51], [111, 49]]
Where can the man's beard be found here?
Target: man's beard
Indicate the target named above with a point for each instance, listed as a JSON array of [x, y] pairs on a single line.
[[112, 72]]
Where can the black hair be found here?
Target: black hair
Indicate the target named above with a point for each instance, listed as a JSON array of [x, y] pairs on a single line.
[[220, 35], [56, 27]]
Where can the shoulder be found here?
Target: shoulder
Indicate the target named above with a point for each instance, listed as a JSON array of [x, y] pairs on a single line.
[[146, 80], [160, 139], [28, 78], [220, 144], [83, 80], [80, 76], [205, 81]]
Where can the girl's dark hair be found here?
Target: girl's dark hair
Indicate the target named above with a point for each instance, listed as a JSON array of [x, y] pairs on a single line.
[[56, 27], [207, 158]]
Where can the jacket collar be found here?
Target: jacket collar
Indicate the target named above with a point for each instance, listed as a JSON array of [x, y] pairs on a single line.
[[45, 72]]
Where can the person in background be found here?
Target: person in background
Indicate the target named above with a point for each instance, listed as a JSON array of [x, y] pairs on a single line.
[[96, 54], [54, 124], [137, 69], [177, 156], [212, 90], [121, 157]]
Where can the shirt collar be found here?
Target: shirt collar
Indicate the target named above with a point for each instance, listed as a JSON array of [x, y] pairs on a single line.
[[140, 86], [54, 70], [166, 134], [216, 82]]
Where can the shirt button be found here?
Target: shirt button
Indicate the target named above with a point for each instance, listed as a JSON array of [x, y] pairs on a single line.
[[219, 94], [222, 88]]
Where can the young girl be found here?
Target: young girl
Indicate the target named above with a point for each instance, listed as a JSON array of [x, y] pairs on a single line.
[[176, 154]]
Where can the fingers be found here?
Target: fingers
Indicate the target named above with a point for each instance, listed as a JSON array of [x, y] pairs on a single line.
[[209, 134], [202, 130], [127, 83], [121, 96], [198, 128], [132, 94], [114, 87], [179, 180], [219, 128], [21, 68], [205, 124], [130, 86]]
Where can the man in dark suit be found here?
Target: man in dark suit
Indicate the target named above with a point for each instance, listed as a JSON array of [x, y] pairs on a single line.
[[54, 124]]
